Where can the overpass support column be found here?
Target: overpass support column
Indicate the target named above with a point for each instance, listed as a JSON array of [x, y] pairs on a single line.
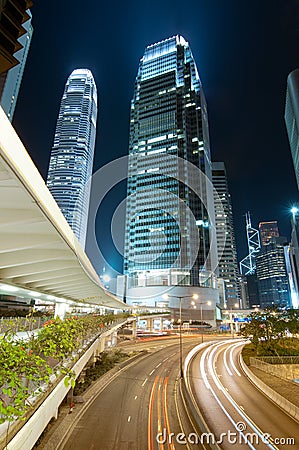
[[161, 323], [150, 324], [114, 339], [102, 345], [134, 327], [60, 310]]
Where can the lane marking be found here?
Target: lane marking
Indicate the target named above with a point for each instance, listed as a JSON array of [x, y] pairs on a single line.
[[129, 419], [150, 413], [232, 348], [225, 362], [135, 398], [158, 402], [209, 387], [144, 382], [170, 444], [152, 371], [158, 365], [247, 419]]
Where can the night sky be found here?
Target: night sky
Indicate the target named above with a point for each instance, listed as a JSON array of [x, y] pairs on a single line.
[[244, 52]]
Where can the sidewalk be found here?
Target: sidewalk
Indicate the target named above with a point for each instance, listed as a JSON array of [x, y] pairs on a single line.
[[288, 389]]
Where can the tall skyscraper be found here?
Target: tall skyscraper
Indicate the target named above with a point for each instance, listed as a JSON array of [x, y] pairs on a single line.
[[268, 230], [11, 80], [71, 161], [292, 118], [227, 264], [170, 207], [271, 272]]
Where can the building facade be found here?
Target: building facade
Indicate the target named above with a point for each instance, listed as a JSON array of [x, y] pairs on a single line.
[[271, 273], [170, 208], [11, 80], [292, 259], [71, 161], [227, 264], [267, 231], [292, 118]]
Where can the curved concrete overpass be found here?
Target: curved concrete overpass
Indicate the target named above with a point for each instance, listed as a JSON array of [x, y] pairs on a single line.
[[38, 249]]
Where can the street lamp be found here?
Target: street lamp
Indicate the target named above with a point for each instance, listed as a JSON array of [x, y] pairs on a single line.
[[180, 297], [193, 306], [200, 304]]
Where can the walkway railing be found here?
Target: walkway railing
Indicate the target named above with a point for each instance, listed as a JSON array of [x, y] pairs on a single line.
[[17, 324], [36, 391]]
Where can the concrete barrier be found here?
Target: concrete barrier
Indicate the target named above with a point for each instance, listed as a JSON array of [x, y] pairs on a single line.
[[282, 402]]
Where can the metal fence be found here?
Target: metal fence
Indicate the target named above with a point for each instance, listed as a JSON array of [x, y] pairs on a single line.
[[17, 324], [286, 367]]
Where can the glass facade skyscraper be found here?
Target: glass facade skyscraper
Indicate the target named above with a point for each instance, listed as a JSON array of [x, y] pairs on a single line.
[[228, 264], [170, 200], [271, 272], [292, 118], [71, 161]]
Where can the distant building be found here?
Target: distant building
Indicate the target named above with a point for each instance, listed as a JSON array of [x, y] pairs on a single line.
[[271, 273], [11, 80], [71, 161], [253, 291], [268, 230], [292, 118], [169, 227], [13, 14], [227, 254], [244, 294]]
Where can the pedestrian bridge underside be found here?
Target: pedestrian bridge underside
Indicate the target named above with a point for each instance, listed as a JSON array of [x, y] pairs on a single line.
[[38, 250]]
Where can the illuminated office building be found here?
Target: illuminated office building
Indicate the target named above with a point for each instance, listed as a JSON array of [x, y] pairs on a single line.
[[71, 161], [267, 231], [227, 264], [168, 225], [271, 273]]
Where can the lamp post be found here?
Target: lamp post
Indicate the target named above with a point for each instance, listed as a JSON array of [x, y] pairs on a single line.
[[180, 297], [200, 304]]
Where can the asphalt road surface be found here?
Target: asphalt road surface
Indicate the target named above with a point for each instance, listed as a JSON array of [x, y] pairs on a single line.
[[230, 404], [140, 403]]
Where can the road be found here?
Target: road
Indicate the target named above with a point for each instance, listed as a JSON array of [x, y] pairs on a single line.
[[140, 403], [230, 404]]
